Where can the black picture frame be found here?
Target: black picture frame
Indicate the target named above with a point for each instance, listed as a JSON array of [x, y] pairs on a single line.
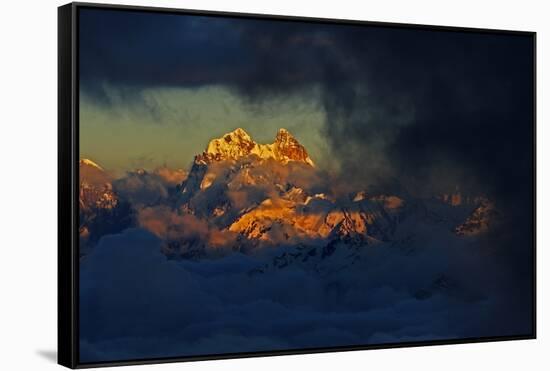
[[68, 180]]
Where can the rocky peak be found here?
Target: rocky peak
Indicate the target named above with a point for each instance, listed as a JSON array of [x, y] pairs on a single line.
[[91, 173], [232, 145], [479, 220], [288, 148], [238, 144], [283, 135], [87, 162]]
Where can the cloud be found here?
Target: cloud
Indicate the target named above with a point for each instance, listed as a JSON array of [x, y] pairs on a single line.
[[171, 225], [452, 107], [143, 188], [171, 176], [128, 131], [135, 303]]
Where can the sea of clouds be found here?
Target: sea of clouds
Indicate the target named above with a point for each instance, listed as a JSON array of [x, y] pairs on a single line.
[[135, 303]]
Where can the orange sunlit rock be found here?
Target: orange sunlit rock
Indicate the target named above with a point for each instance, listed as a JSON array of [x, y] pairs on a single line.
[[238, 144]]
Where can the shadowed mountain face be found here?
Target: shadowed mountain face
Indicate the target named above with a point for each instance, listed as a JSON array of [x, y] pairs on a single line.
[[101, 211], [108, 205], [282, 243]]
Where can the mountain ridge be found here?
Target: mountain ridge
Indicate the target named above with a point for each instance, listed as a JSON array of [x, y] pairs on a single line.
[[246, 196], [238, 143]]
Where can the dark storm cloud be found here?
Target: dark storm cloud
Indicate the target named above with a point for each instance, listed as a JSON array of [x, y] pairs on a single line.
[[453, 108]]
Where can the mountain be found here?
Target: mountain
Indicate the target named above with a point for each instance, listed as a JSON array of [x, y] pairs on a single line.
[[235, 153], [316, 218], [479, 220], [238, 144], [101, 211], [92, 174], [243, 196], [96, 190], [272, 196]]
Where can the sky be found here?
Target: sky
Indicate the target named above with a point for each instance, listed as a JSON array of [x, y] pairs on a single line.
[[172, 124], [367, 101]]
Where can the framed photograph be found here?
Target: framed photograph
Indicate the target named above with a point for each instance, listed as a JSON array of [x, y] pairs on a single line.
[[237, 185]]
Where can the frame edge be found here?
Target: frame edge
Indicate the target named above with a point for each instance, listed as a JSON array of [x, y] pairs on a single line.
[[66, 339], [68, 186]]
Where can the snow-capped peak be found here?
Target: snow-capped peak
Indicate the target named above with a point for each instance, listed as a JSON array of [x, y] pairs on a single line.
[[89, 162], [287, 148], [240, 133], [231, 145], [238, 144]]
